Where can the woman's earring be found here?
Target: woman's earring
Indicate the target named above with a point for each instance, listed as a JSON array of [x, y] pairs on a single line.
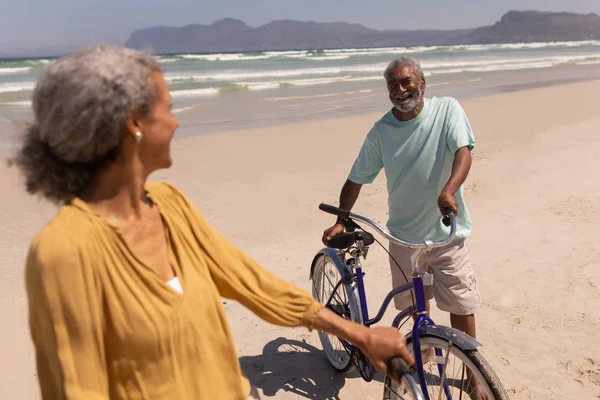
[[138, 136]]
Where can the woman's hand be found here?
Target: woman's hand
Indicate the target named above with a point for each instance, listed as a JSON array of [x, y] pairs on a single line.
[[381, 344], [378, 344]]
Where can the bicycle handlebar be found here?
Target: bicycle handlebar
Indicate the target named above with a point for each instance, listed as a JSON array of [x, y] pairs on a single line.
[[400, 370], [334, 210], [345, 214]]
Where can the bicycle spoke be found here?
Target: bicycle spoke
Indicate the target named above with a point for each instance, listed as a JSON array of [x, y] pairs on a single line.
[[462, 380], [336, 293], [443, 380]]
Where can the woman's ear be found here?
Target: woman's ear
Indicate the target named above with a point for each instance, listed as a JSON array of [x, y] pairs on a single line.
[[133, 124]]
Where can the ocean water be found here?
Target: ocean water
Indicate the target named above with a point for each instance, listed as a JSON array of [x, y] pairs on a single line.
[[214, 92]]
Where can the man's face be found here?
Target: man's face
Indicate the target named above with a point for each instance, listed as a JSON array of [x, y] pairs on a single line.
[[405, 88]]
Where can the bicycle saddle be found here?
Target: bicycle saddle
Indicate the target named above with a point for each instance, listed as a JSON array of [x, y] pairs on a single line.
[[345, 240]]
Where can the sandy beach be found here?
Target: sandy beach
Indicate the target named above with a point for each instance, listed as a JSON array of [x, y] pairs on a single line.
[[533, 193]]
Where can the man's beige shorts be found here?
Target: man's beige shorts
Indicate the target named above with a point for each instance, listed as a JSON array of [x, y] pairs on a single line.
[[454, 285]]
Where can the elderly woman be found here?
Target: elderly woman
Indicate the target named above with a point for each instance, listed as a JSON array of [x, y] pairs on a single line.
[[124, 283]]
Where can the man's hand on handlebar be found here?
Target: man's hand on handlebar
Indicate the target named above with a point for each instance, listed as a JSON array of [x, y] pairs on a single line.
[[447, 203], [332, 232]]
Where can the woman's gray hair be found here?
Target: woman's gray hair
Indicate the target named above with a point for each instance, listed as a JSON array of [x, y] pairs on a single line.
[[81, 105], [404, 62]]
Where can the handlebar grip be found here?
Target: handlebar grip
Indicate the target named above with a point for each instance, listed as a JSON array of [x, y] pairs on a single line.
[[398, 367], [334, 210], [447, 219]]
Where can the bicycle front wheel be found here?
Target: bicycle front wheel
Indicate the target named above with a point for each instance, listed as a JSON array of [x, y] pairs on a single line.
[[344, 302], [451, 373]]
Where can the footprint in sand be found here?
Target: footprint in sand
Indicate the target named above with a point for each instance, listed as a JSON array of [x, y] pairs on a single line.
[[475, 187], [587, 371], [577, 209], [592, 370]]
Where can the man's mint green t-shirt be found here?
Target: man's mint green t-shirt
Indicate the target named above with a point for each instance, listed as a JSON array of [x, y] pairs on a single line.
[[417, 158]]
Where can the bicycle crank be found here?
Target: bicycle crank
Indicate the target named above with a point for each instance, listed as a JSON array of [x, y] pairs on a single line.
[[364, 366]]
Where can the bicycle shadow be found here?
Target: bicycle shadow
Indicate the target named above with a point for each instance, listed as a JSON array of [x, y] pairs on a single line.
[[297, 367]]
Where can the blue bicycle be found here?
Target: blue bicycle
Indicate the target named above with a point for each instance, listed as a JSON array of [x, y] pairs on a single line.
[[448, 363]]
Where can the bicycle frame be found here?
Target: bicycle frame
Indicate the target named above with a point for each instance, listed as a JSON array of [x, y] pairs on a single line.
[[423, 326], [422, 321]]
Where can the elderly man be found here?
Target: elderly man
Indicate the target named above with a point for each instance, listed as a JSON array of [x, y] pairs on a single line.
[[424, 145]]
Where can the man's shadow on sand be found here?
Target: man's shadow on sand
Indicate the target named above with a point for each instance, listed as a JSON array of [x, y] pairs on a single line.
[[297, 367]]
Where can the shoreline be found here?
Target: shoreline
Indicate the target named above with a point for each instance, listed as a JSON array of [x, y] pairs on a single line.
[[378, 103], [375, 115]]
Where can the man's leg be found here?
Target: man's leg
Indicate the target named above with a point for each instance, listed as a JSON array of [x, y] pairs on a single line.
[[456, 292], [465, 323], [401, 269], [454, 284]]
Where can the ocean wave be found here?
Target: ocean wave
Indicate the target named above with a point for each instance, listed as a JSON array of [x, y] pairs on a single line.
[[231, 75], [494, 68], [15, 104], [164, 60], [229, 57], [541, 45], [38, 62], [500, 62], [367, 71], [14, 70], [311, 57], [378, 77], [588, 62], [288, 53], [201, 92], [346, 53], [226, 57], [318, 96], [518, 46], [16, 87], [462, 47], [241, 86], [183, 109], [314, 82], [261, 86], [382, 50]]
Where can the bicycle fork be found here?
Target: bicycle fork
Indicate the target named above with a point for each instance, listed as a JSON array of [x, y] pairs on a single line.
[[420, 281]]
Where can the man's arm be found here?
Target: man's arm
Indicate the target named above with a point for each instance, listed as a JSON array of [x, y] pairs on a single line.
[[365, 169], [349, 194], [460, 170]]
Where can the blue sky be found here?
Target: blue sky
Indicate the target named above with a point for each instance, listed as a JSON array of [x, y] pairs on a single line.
[[55, 25]]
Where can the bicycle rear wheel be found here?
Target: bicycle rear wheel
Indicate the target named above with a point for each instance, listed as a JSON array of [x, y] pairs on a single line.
[[344, 303], [451, 373]]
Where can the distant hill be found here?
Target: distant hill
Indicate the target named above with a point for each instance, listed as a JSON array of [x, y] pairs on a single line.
[[229, 35]]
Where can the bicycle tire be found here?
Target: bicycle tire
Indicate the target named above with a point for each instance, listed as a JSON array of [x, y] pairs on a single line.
[[482, 368], [353, 313]]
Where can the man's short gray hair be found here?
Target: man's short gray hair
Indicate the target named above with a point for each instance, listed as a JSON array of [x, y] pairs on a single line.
[[404, 62], [81, 105]]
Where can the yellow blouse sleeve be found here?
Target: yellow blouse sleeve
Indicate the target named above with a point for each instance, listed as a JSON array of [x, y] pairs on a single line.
[[65, 318], [240, 278]]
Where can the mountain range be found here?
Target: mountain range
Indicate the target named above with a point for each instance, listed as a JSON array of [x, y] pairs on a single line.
[[232, 35]]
